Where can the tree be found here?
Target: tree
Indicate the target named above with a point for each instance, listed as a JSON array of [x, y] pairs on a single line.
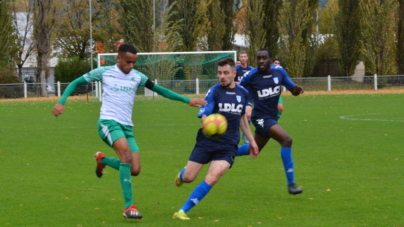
[[172, 28], [8, 36], [347, 33], [73, 35], [69, 69], [270, 25], [254, 25], [295, 26], [188, 21], [400, 38], [328, 52], [137, 20], [216, 26], [229, 14], [311, 37], [108, 27], [46, 15], [378, 25], [23, 12]]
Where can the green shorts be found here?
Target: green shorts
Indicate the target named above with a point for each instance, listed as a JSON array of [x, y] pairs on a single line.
[[110, 130]]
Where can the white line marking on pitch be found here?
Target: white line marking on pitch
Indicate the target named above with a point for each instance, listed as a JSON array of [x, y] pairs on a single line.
[[355, 117]]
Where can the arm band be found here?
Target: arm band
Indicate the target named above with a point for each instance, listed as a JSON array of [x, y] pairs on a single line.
[[71, 88], [169, 94]]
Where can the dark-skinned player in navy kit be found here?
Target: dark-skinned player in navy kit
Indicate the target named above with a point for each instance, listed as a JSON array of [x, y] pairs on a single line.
[[264, 84]]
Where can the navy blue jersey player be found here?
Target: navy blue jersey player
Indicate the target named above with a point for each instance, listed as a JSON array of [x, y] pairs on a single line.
[[264, 84], [230, 100], [243, 68]]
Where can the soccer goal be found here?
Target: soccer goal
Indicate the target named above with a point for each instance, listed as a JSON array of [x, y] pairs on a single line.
[[182, 72]]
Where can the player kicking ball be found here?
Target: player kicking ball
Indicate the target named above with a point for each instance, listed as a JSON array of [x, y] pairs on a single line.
[[115, 126], [228, 99]]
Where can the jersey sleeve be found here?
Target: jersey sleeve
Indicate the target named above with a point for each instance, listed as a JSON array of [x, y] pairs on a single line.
[[96, 74], [143, 78], [208, 109], [71, 88], [287, 82], [245, 82], [167, 93]]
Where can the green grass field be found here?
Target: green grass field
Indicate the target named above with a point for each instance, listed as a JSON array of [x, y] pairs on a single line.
[[348, 153]]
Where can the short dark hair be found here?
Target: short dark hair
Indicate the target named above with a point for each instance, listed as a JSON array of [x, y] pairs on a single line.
[[268, 51], [227, 61], [126, 47]]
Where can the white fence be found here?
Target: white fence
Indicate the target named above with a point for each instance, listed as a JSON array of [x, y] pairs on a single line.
[[390, 82]]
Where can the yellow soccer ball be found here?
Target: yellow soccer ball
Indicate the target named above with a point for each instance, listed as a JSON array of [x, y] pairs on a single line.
[[214, 126]]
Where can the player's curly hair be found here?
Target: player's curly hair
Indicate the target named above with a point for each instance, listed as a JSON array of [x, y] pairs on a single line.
[[126, 47]]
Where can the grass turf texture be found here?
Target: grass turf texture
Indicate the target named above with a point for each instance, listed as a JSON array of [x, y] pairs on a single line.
[[347, 152]]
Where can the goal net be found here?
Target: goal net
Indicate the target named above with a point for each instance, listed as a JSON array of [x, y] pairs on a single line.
[[182, 72]]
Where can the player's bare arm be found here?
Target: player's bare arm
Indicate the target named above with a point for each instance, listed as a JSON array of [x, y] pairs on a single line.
[[245, 127], [58, 109], [297, 90], [203, 119], [197, 102]]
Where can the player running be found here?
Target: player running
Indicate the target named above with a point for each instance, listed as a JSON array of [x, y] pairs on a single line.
[[264, 84], [115, 126], [230, 100]]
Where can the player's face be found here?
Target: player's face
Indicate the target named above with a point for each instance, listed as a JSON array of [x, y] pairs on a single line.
[[263, 61], [226, 76], [243, 59], [277, 62], [126, 61]]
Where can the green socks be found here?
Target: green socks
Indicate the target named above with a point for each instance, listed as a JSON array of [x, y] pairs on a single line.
[[126, 183], [111, 162]]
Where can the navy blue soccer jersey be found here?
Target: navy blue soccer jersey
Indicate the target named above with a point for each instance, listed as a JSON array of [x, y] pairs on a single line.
[[265, 89], [241, 72], [230, 103]]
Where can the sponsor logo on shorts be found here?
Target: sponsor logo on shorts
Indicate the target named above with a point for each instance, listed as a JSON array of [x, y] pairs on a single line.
[[260, 122]]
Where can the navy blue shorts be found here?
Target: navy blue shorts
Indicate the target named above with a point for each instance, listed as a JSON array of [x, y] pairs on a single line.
[[263, 124], [207, 150]]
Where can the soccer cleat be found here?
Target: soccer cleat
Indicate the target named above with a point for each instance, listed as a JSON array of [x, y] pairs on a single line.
[[132, 213], [99, 169], [178, 182], [294, 189], [180, 215]]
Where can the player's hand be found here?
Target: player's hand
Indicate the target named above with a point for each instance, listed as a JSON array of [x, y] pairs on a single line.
[[254, 151], [58, 109], [197, 102], [297, 90]]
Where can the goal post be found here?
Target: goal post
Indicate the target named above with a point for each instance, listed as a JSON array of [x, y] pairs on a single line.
[[178, 71]]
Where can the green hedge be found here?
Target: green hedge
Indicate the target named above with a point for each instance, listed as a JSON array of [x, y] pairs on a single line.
[[71, 68]]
